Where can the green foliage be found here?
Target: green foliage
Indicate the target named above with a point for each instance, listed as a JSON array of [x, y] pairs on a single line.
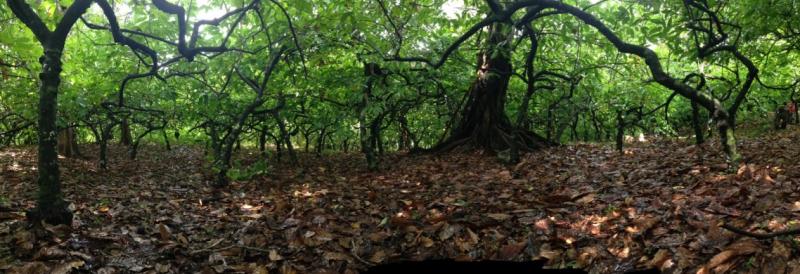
[[240, 173], [322, 82]]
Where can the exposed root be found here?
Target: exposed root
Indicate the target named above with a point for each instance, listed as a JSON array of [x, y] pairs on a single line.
[[501, 139]]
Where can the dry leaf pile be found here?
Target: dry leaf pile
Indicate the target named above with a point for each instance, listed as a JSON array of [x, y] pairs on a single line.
[[658, 205]]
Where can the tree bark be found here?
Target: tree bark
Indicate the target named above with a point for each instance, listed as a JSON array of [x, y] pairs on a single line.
[[696, 125], [483, 122], [125, 132], [51, 206]]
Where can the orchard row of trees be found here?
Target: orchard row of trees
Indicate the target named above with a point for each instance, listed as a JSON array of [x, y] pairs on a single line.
[[376, 76]]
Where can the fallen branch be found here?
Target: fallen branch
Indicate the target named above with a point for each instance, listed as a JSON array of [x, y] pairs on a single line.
[[353, 252], [792, 231]]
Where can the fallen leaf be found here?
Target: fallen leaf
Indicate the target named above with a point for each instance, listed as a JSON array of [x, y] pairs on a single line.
[[499, 216], [378, 257], [510, 251], [274, 256]]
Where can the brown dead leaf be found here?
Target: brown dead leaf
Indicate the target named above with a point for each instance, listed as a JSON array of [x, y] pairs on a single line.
[[661, 257], [162, 268], [721, 258], [780, 250], [274, 255], [740, 248], [510, 251], [425, 241], [335, 256], [29, 268], [378, 257], [164, 232], [448, 231], [586, 199], [50, 253], [499, 216], [67, 267]]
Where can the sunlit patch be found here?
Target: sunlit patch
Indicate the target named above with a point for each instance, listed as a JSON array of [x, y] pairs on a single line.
[[796, 206], [621, 253], [719, 178], [306, 192], [303, 193], [248, 207], [15, 167], [542, 224], [628, 152], [667, 264], [776, 224]]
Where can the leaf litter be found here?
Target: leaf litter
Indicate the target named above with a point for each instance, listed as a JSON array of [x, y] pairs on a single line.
[[658, 205]]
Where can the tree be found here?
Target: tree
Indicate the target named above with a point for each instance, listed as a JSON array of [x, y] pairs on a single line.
[[50, 206]]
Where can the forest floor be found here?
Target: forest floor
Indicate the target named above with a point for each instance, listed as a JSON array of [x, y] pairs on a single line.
[[658, 205]]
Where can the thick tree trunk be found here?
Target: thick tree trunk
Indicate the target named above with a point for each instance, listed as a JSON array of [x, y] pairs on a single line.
[[483, 122], [51, 206]]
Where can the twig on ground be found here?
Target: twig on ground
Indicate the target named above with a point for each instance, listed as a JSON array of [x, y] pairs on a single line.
[[791, 231]]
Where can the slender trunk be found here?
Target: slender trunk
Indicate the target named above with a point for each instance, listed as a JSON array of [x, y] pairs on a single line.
[[574, 127], [620, 131], [366, 147], [728, 140], [307, 140], [166, 139], [287, 140], [321, 142], [125, 132], [598, 134], [262, 140], [698, 128], [105, 135]]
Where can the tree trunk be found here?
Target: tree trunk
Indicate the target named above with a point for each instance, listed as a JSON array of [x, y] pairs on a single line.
[[105, 135], [698, 129], [287, 139], [620, 131], [67, 145], [363, 133], [483, 121], [125, 132], [50, 206], [166, 139], [321, 142], [728, 140], [262, 140]]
